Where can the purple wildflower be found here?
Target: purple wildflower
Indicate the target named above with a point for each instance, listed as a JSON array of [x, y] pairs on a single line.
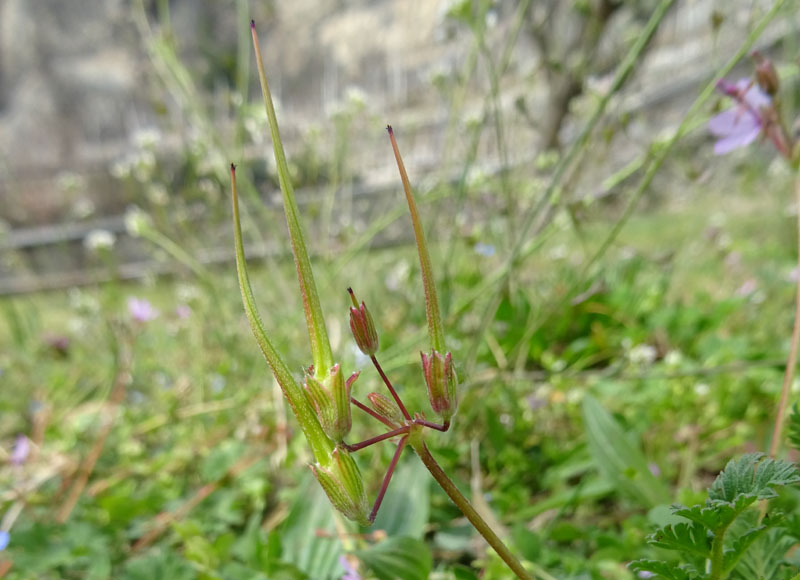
[[350, 573], [22, 448], [741, 125], [4, 539], [141, 310]]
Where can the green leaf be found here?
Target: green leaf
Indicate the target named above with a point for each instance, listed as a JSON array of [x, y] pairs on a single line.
[[716, 515], [765, 558], [753, 474], [618, 459], [692, 538], [463, 573], [302, 546], [406, 506], [661, 570], [404, 558], [740, 546]]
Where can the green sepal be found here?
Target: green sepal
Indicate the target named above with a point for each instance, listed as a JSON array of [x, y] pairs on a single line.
[[386, 408], [330, 398], [344, 486], [440, 378]]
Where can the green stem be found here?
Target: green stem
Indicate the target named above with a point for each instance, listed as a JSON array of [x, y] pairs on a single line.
[[431, 301], [570, 161], [415, 440], [717, 555], [317, 333], [321, 444], [791, 363]]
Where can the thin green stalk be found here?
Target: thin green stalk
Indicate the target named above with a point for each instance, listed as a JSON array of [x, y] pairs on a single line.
[[573, 153], [718, 555], [435, 329], [317, 333], [791, 363], [463, 504], [321, 445], [660, 155]]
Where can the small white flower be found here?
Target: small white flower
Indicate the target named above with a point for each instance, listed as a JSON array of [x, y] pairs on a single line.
[[136, 221], [99, 241], [702, 389], [673, 358], [146, 138], [642, 354]]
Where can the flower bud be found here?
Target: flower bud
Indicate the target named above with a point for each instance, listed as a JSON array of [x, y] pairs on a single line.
[[440, 377], [331, 401], [362, 327], [386, 408], [344, 487], [766, 75]]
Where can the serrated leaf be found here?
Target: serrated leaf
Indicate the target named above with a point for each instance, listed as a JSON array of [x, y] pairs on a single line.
[[398, 557], [739, 546], [765, 558], [692, 538], [661, 569], [716, 515], [753, 474], [622, 462]]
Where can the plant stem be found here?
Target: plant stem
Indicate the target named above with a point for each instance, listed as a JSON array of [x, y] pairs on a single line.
[[388, 384], [717, 555], [389, 472], [466, 508], [377, 439], [791, 363]]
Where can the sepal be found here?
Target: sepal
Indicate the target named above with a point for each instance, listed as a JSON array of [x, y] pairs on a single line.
[[331, 401], [344, 486], [440, 378]]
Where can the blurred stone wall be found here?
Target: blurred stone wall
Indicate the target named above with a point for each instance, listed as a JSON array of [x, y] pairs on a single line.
[[79, 91]]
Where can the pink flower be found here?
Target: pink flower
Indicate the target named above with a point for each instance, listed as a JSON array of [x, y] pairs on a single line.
[[741, 125], [141, 310], [21, 450]]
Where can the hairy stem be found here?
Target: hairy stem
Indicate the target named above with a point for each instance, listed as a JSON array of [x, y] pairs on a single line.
[[791, 363], [466, 508], [717, 555]]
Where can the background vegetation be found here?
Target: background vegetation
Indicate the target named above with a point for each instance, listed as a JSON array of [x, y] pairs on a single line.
[[592, 335]]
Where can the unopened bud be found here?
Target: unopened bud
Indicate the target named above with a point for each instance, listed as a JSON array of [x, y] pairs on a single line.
[[344, 487], [362, 327], [386, 408], [766, 75], [440, 377], [331, 401]]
